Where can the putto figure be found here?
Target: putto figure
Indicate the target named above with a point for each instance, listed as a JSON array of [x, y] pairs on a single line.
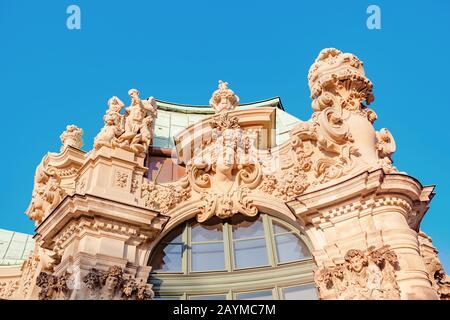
[[113, 124], [368, 275]]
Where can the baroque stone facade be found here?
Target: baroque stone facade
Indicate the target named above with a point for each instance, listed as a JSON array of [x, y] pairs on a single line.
[[99, 214], [366, 275]]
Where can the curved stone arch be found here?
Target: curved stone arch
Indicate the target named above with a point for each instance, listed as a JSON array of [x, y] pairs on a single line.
[[268, 205]]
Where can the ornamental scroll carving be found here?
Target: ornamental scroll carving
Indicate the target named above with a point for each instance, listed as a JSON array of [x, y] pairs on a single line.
[[114, 284], [225, 170], [133, 130], [338, 79], [332, 143], [366, 275], [47, 193]]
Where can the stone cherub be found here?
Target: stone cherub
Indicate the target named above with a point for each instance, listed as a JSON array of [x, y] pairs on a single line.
[[113, 124], [363, 276]]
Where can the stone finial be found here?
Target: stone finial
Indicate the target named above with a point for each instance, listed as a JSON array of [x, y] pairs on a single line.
[[73, 136], [338, 79], [223, 99]]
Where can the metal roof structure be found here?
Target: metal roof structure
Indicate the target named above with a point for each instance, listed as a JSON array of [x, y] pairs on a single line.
[[173, 118], [15, 247]]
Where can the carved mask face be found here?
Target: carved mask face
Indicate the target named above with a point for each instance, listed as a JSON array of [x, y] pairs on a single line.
[[111, 282], [128, 290], [357, 263]]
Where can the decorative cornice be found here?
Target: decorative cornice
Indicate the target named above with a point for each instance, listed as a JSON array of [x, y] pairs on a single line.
[[366, 191], [107, 215]]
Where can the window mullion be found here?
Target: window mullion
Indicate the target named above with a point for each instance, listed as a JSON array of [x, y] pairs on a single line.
[[227, 239], [269, 240], [186, 250]]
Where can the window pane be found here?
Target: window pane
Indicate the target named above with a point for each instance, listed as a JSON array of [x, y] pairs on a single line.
[[214, 297], [290, 248], [260, 295], [250, 253], [203, 233], [279, 228], [209, 256], [168, 259], [247, 229], [305, 292]]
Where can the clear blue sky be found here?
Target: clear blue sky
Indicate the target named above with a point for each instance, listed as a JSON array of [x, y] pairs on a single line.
[[177, 50]]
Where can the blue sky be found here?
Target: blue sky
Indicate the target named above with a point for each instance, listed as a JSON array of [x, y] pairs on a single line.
[[177, 50]]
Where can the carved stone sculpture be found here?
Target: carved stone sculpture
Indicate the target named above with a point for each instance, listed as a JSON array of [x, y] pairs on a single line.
[[8, 288], [439, 279], [113, 127], [138, 128], [338, 79], [115, 285], [223, 99], [47, 193], [52, 287], [366, 275], [73, 136], [133, 130], [386, 147], [112, 281], [225, 170], [164, 197]]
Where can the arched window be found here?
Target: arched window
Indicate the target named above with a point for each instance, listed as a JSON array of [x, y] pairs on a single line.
[[236, 258]]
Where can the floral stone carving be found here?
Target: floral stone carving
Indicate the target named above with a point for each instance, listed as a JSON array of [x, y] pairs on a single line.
[[366, 275], [115, 285], [53, 287], [8, 288], [164, 197]]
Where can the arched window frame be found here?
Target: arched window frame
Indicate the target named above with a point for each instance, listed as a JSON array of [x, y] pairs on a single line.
[[294, 273]]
